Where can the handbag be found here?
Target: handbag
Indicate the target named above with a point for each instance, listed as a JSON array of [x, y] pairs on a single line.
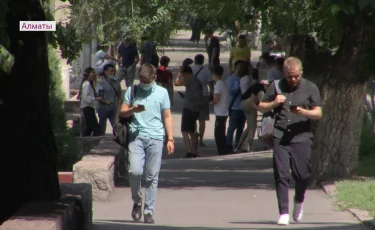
[[121, 126], [266, 125]]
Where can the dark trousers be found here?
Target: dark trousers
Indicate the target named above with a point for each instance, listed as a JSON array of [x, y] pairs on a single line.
[[237, 120], [220, 139], [104, 115], [91, 122], [294, 156]]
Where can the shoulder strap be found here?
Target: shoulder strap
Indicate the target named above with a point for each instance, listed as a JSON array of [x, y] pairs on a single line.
[[93, 88], [199, 81], [234, 98], [133, 92], [278, 91], [114, 89], [198, 72], [277, 87]]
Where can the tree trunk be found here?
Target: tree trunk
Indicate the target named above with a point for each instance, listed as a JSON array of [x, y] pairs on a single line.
[[337, 137], [29, 154]]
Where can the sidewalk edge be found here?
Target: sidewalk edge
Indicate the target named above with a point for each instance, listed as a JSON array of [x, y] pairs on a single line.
[[329, 188]]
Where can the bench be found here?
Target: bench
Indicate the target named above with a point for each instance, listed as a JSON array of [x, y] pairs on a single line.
[[72, 211], [99, 168]]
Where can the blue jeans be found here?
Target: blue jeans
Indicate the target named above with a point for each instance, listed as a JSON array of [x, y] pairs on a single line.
[[145, 156], [104, 114], [237, 120]]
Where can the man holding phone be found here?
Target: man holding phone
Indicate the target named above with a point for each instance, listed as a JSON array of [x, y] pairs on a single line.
[[298, 104], [149, 109]]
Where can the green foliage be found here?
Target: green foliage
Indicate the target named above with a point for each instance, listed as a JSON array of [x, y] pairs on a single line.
[[67, 149], [65, 38], [108, 21], [326, 20], [367, 144], [224, 16]]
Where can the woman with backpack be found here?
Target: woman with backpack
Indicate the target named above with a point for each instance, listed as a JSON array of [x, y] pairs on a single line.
[[164, 77], [89, 97]]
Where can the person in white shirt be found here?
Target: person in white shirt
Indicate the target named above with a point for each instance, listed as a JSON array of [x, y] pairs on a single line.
[[220, 103], [103, 58], [205, 77], [89, 97]]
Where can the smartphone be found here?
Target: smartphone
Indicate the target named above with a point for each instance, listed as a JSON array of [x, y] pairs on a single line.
[[141, 106], [293, 107]]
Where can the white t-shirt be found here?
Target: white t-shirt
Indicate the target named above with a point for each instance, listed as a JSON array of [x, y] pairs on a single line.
[[100, 62], [221, 108], [244, 83], [99, 58], [204, 77]]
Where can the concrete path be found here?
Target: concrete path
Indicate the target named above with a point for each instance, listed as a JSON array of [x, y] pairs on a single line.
[[231, 192], [216, 192]]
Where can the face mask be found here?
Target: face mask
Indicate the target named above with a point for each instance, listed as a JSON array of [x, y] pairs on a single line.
[[146, 87], [111, 76]]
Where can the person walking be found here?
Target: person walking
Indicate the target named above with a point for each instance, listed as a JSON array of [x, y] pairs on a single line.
[[298, 103], [164, 77], [89, 96], [111, 93], [129, 58], [149, 110]]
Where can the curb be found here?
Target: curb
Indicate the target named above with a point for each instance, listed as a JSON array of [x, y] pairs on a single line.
[[329, 188]]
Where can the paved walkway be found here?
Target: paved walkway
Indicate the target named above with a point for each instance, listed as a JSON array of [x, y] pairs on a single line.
[[216, 192]]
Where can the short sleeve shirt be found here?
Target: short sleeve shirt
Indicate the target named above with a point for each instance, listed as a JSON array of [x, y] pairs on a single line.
[[99, 57], [147, 50], [221, 108], [240, 53], [149, 123], [128, 54], [204, 76], [289, 126]]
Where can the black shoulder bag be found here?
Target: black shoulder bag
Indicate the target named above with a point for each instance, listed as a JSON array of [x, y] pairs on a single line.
[[121, 126]]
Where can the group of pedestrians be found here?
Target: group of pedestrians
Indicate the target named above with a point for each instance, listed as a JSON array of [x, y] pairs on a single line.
[[282, 91]]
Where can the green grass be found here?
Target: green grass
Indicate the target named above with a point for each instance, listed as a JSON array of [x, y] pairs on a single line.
[[356, 193]]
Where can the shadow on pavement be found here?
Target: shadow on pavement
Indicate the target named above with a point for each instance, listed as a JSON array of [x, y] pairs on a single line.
[[267, 225]]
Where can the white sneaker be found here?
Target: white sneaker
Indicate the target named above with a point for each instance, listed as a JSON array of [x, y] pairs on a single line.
[[283, 219], [297, 211]]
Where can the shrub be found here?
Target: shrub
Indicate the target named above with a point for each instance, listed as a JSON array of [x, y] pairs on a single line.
[[67, 148], [367, 144]]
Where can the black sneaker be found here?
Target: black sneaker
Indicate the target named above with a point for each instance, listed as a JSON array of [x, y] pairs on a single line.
[[148, 219], [191, 155], [137, 212]]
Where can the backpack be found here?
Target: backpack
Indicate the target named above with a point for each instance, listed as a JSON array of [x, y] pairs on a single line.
[[121, 126], [266, 125]]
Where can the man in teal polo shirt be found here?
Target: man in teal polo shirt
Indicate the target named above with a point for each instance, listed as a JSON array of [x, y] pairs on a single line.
[[149, 109]]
